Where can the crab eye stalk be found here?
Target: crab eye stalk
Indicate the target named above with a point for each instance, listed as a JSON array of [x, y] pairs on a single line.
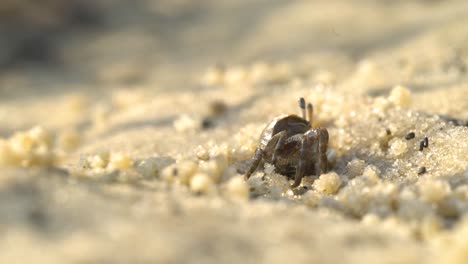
[[302, 105], [310, 113]]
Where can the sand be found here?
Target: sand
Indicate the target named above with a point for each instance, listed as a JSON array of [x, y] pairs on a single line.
[[131, 145]]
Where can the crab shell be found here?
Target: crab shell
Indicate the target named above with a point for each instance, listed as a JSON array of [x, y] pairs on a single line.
[[288, 156], [292, 124]]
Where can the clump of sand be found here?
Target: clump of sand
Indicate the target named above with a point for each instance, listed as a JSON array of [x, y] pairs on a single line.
[[31, 148]]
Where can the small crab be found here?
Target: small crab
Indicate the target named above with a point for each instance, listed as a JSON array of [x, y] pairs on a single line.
[[295, 147]]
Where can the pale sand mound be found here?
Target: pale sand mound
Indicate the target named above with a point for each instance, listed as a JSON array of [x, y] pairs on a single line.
[[151, 169]]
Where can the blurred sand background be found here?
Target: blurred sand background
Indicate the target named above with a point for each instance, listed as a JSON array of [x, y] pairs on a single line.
[[126, 127]]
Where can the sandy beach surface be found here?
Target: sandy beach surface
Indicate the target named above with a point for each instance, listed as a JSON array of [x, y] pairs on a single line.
[[127, 127]]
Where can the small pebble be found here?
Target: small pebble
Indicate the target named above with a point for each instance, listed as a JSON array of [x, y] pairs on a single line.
[[237, 189], [328, 183], [400, 96], [421, 145], [426, 142], [186, 123], [410, 135], [202, 153], [217, 107], [397, 146], [120, 161], [201, 183], [207, 123], [421, 170], [355, 167]]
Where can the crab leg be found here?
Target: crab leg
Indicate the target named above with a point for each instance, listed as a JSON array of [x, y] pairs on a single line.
[[308, 152], [282, 136], [300, 170], [322, 161], [310, 113], [256, 161]]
